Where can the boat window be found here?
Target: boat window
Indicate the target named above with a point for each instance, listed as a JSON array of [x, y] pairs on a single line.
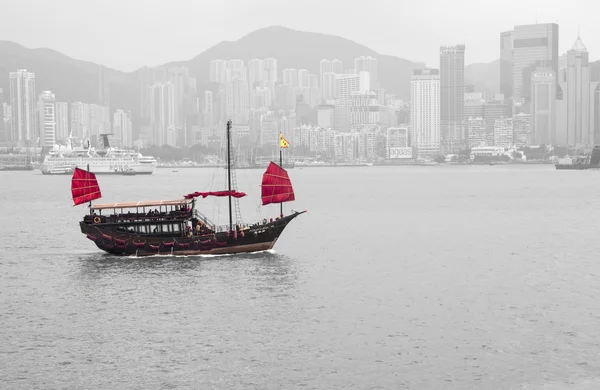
[[154, 228], [166, 228]]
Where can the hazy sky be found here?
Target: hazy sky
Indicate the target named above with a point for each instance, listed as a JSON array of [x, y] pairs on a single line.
[[126, 34]]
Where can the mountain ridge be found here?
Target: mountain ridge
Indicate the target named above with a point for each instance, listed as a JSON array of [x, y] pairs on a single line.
[[77, 80]]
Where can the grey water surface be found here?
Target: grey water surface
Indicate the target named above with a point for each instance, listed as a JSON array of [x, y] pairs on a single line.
[[482, 277]]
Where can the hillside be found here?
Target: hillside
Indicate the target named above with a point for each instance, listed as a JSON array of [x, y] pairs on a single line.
[[68, 78], [76, 80], [485, 77], [303, 50]]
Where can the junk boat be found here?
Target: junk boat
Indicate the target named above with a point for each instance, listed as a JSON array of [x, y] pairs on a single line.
[[177, 226]]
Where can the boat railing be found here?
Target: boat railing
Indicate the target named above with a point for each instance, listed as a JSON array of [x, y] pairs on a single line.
[[204, 218]]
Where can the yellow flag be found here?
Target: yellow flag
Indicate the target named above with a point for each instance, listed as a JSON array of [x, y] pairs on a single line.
[[283, 142]]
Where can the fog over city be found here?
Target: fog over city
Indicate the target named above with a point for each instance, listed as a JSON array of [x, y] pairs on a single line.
[[126, 35]]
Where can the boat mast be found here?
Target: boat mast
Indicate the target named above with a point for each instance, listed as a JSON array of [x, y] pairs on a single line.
[[90, 206], [229, 173], [281, 165]]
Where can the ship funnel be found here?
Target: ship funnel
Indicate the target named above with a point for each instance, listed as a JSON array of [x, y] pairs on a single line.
[[105, 140]]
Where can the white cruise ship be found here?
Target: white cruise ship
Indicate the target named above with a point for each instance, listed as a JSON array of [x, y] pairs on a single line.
[[107, 160]]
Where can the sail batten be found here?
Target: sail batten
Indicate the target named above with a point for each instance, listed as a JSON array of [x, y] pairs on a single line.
[[84, 187], [276, 186], [233, 193]]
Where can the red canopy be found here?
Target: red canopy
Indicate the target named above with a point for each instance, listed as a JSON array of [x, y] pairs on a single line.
[[233, 193], [276, 185], [84, 187]]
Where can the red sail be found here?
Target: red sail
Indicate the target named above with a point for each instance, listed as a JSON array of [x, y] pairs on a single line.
[[84, 187], [235, 194], [276, 185]]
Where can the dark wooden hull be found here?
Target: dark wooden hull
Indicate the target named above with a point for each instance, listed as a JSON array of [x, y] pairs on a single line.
[[577, 167], [255, 239]]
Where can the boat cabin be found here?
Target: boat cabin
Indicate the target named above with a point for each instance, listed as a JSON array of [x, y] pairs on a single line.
[[153, 218]]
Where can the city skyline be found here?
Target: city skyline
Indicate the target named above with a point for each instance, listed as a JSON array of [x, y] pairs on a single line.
[[113, 49], [445, 115]]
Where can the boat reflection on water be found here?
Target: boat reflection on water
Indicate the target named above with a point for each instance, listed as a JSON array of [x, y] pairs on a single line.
[[265, 271]]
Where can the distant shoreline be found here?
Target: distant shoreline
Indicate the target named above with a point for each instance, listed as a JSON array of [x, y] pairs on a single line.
[[405, 164]]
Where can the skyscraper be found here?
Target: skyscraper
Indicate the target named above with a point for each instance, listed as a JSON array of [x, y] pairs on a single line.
[[506, 60], [367, 64], [543, 106], [452, 92], [290, 77], [579, 95], [337, 66], [162, 113], [425, 111], [47, 119], [62, 120], [23, 103], [533, 45], [122, 127], [217, 71]]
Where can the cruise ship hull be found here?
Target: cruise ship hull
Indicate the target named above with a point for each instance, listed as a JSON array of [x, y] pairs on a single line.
[[98, 169]]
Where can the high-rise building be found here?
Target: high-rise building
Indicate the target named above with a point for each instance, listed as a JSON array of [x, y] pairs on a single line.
[[208, 109], [345, 84], [47, 119], [533, 45], [80, 121], [62, 121], [452, 92], [328, 87], [367, 64], [577, 112], [122, 128], [237, 104], [256, 72], [503, 132], [506, 63], [425, 111], [522, 129], [217, 71], [270, 70], [337, 66], [325, 66], [290, 77], [303, 81], [494, 108], [364, 108], [179, 79], [23, 103], [162, 113], [476, 133], [543, 106]]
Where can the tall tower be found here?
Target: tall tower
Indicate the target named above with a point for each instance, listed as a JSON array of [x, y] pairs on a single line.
[[425, 111], [368, 64], [579, 95], [23, 103], [543, 106], [452, 97], [534, 45], [506, 60], [47, 112]]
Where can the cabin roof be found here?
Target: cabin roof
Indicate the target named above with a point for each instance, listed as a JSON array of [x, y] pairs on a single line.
[[152, 203]]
